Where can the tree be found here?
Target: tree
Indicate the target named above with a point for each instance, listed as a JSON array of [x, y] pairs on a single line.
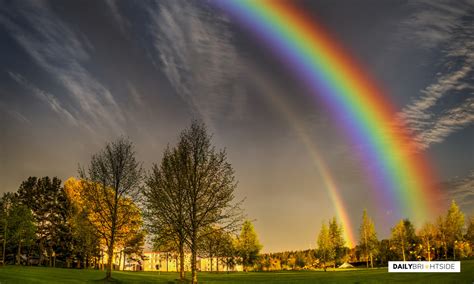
[[47, 201], [165, 203], [326, 250], [113, 178], [204, 182], [213, 244], [8, 199], [337, 240], [454, 223], [22, 228], [470, 231], [428, 235], [403, 237], [247, 245], [86, 239], [368, 238]]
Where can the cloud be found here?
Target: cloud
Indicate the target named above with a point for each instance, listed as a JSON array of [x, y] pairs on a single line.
[[194, 50], [433, 116], [47, 98], [461, 189], [121, 21], [13, 113], [63, 53]]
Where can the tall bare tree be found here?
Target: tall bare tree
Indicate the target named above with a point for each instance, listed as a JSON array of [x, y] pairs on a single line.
[[113, 177], [165, 210], [193, 189]]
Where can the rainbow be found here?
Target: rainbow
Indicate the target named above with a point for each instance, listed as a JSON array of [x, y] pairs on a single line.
[[319, 163], [401, 178]]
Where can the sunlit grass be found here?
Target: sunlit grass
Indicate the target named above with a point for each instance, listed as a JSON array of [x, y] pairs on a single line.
[[13, 274]]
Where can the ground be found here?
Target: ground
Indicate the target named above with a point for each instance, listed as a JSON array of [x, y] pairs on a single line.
[[13, 274]]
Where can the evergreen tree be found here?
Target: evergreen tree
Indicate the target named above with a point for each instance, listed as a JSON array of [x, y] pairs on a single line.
[[368, 238], [403, 237], [454, 223], [337, 240], [326, 250], [248, 246]]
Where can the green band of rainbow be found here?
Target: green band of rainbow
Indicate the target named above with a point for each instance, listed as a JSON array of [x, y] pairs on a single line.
[[401, 177]]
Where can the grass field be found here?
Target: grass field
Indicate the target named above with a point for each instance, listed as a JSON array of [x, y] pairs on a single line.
[[13, 274]]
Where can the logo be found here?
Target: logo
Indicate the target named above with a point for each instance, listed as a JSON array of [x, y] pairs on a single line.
[[424, 266]]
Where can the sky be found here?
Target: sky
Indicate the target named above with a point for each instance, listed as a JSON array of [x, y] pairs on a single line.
[[76, 74]]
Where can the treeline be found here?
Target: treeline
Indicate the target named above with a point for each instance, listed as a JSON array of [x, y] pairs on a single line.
[[449, 238], [185, 204]]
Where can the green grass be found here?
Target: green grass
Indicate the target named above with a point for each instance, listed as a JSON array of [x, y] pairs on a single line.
[[13, 274]]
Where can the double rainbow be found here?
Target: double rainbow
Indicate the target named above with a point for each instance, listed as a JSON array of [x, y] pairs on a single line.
[[401, 178]]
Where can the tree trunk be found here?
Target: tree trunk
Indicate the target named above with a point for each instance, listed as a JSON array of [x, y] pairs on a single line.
[[217, 264], [18, 253], [110, 258], [454, 250], [181, 261], [124, 259], [120, 259], [371, 260], [193, 262], [4, 242], [429, 252], [403, 250], [211, 262]]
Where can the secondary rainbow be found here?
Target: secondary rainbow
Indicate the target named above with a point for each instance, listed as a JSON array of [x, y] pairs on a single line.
[[401, 177], [321, 166]]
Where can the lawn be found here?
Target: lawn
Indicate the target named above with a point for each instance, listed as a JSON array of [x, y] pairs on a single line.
[[13, 274]]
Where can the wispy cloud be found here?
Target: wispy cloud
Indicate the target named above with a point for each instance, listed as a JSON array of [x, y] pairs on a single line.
[[63, 53], [461, 190], [13, 113], [195, 52], [432, 116], [121, 21], [44, 96]]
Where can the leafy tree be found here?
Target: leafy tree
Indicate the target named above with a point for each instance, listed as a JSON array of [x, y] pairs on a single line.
[[326, 250], [214, 244], [454, 223], [368, 238], [247, 245], [113, 179], [428, 235], [47, 200], [337, 240], [470, 231], [86, 240], [133, 246], [403, 237], [228, 251], [22, 228], [168, 245], [6, 202]]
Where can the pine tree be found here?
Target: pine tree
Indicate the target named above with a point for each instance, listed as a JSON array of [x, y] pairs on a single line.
[[368, 238], [325, 246], [337, 240], [454, 223], [248, 246], [403, 237]]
